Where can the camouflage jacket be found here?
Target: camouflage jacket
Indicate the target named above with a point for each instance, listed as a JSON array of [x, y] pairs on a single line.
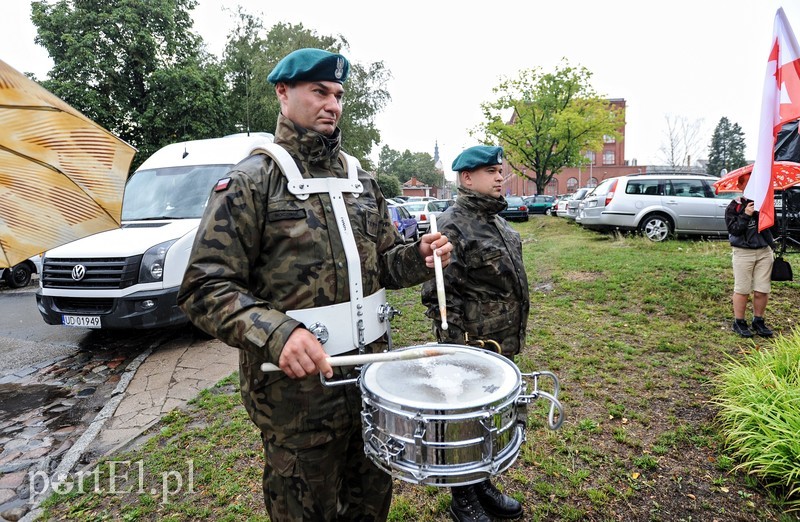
[[486, 287], [260, 251]]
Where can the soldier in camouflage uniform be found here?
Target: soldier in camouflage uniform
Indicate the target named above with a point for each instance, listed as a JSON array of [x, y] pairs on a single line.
[[486, 290], [259, 252]]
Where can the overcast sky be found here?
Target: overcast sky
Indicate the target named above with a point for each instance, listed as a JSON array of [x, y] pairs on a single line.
[[694, 59]]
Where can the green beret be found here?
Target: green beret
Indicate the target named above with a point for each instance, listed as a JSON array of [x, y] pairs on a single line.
[[478, 156], [310, 65]]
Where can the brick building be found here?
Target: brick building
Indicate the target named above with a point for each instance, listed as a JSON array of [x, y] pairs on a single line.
[[608, 163], [415, 187]]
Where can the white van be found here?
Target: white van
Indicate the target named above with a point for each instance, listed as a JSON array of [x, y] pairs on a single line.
[[129, 277]]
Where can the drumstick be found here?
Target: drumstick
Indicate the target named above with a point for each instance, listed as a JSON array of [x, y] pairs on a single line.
[[437, 269], [357, 360]]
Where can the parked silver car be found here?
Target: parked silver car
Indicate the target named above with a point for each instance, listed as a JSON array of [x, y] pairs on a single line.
[[573, 203], [659, 206], [423, 210]]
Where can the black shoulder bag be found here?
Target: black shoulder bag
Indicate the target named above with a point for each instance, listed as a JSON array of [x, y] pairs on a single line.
[[781, 270]]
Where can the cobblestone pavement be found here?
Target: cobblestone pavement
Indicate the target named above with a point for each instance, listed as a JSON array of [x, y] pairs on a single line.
[[45, 407]]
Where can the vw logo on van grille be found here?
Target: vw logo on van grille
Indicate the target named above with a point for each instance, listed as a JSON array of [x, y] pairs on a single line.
[[78, 271]]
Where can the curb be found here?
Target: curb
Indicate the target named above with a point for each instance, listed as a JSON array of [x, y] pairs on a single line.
[[75, 452]]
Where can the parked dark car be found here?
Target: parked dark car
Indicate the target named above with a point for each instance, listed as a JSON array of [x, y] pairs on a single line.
[[405, 222], [440, 205], [20, 274], [516, 210], [540, 204]]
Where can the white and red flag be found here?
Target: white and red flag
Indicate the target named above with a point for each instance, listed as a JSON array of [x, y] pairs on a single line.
[[780, 103]]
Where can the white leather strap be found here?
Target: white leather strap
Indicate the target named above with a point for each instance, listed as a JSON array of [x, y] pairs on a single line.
[[335, 320], [335, 187], [302, 187]]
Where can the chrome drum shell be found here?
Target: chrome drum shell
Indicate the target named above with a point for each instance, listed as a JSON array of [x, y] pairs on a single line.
[[460, 428]]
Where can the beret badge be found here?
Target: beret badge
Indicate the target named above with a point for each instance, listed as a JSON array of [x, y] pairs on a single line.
[[339, 68]]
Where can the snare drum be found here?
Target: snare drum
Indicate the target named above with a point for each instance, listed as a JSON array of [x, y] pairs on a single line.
[[448, 420]]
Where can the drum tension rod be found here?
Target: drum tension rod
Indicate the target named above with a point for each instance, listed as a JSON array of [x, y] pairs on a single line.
[[387, 312]]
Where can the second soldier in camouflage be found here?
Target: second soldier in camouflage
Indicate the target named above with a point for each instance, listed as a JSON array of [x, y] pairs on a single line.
[[486, 290]]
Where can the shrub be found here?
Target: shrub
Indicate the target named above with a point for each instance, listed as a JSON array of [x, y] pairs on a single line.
[[759, 397]]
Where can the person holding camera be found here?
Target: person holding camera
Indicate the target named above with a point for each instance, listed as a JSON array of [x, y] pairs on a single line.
[[752, 263]]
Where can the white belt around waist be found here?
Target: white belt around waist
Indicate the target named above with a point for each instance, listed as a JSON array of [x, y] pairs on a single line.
[[333, 324]]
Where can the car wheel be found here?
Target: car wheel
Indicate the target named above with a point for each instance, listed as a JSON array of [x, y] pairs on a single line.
[[656, 227], [18, 276]]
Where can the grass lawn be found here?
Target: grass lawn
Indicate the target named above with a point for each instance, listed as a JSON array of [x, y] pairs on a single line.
[[636, 332]]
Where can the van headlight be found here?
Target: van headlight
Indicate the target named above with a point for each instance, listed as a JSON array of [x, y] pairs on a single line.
[[152, 268]]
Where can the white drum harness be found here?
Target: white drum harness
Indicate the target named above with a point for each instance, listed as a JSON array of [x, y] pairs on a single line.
[[345, 326]]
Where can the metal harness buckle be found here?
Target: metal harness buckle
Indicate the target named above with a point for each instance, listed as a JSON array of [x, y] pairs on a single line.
[[487, 344]]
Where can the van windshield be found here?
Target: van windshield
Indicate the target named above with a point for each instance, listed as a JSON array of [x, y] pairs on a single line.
[[170, 193]]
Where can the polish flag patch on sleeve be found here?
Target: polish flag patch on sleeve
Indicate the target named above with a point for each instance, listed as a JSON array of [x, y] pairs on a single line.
[[222, 184]]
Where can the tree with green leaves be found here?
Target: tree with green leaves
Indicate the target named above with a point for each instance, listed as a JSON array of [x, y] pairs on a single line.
[[386, 160], [727, 148], [554, 119], [390, 185], [134, 67], [251, 53], [409, 164]]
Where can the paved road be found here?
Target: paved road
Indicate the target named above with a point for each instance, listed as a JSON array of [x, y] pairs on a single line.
[[25, 339]]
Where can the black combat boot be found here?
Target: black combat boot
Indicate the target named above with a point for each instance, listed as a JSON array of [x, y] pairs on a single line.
[[466, 507], [761, 328], [495, 503], [740, 327]]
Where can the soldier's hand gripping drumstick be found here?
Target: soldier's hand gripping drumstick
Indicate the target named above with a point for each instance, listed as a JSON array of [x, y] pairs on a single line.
[[437, 266], [303, 354]]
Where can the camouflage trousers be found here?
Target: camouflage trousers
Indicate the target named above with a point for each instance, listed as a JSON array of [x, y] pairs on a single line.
[[334, 481]]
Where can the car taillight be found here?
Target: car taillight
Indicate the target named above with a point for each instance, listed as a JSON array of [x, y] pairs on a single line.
[[397, 225], [423, 217], [523, 208], [610, 193]]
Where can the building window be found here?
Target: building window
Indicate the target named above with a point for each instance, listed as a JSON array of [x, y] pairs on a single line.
[[608, 139], [552, 187], [572, 185], [591, 157], [592, 182], [608, 157]]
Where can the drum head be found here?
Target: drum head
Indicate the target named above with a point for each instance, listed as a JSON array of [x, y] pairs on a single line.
[[466, 379]]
